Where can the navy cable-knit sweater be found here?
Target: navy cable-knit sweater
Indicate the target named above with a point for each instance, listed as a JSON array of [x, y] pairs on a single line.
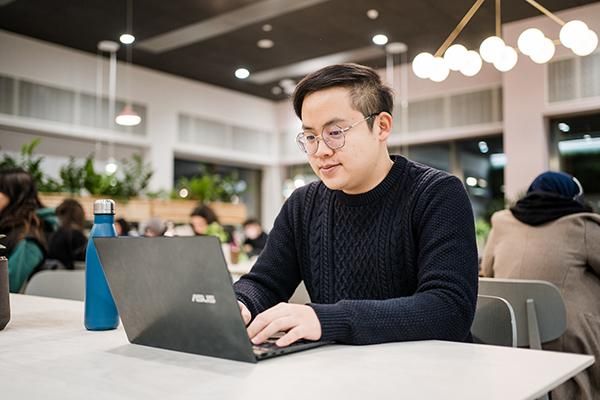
[[396, 263]]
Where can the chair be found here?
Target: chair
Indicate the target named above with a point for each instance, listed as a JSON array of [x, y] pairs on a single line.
[[494, 322], [538, 305], [62, 284], [539, 309]]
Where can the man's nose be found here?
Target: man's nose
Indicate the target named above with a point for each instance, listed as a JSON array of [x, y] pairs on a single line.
[[322, 149]]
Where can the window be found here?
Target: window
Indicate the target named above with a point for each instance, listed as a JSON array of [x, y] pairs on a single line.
[[575, 149], [250, 180], [481, 164]]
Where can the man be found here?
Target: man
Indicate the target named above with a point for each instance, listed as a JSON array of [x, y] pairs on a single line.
[[385, 246]]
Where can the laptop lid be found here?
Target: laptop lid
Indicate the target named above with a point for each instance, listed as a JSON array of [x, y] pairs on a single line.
[[175, 293]]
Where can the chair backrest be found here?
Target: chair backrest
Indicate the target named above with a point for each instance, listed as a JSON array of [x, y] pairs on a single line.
[[300, 296], [494, 322], [62, 284], [538, 305]]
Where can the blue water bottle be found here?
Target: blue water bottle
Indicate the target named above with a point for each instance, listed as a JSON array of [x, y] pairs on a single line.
[[100, 309]]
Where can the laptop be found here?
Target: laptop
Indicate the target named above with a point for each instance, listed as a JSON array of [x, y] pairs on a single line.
[[176, 293]]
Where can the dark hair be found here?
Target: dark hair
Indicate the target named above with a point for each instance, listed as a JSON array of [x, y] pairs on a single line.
[[19, 219], [205, 212], [125, 226], [70, 214], [250, 221], [368, 94]]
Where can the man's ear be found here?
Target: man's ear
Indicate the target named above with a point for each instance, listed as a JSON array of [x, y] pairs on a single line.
[[384, 121]]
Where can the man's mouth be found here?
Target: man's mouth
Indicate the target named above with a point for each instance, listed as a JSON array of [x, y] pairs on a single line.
[[328, 168]]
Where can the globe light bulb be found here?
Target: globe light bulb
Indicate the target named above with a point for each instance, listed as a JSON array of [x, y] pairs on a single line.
[[472, 64], [506, 60], [242, 73], [422, 65], [529, 39], [455, 56], [543, 53], [380, 39], [586, 44], [490, 48], [571, 32], [439, 70]]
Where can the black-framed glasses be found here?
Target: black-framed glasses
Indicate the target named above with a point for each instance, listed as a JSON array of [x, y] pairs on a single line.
[[333, 136]]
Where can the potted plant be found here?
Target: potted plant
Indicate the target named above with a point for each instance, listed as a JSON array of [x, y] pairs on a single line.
[[126, 185]]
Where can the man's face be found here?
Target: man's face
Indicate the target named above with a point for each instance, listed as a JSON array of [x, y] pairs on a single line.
[[349, 168]]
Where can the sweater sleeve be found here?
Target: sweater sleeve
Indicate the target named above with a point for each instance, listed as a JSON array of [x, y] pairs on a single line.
[[275, 275], [443, 305]]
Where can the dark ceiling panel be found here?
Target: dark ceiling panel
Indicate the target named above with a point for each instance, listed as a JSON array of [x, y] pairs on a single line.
[[325, 28]]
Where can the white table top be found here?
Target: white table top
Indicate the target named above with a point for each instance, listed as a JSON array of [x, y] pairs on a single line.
[[45, 352]]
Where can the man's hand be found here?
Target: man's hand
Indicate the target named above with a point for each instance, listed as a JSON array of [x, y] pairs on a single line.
[[299, 321], [246, 316]]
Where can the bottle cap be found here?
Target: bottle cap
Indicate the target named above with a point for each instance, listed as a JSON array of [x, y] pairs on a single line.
[[104, 206]]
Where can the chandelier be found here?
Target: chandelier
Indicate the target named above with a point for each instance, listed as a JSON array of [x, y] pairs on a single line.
[[532, 42]]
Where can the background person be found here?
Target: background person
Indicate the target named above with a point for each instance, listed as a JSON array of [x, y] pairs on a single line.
[[154, 227], [201, 217], [68, 243], [26, 223], [256, 238], [552, 235]]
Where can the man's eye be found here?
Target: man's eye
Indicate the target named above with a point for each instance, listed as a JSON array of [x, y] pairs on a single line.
[[310, 138], [334, 134]]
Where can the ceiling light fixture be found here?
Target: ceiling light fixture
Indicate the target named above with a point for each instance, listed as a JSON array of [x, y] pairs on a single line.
[[288, 85], [380, 39], [372, 13], [483, 146], [267, 28], [265, 43], [564, 127], [111, 166], [128, 116], [532, 42], [127, 38], [242, 73]]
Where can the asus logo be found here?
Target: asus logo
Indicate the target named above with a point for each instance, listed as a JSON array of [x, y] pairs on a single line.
[[203, 298]]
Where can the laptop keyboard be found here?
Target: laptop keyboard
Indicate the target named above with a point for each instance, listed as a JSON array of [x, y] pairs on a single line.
[[269, 345]]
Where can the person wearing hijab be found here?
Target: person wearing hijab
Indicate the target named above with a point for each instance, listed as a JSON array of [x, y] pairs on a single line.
[[551, 235]]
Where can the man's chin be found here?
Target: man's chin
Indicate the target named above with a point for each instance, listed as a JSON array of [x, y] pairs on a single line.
[[333, 184]]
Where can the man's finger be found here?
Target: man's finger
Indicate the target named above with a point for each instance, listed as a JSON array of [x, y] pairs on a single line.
[[280, 324], [265, 318], [246, 316], [292, 336]]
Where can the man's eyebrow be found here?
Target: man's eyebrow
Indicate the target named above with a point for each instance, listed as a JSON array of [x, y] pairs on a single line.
[[331, 121]]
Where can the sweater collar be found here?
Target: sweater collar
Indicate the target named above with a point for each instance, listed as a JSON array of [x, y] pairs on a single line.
[[379, 191]]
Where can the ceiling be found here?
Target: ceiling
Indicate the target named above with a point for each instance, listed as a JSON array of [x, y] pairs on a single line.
[[207, 40]]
